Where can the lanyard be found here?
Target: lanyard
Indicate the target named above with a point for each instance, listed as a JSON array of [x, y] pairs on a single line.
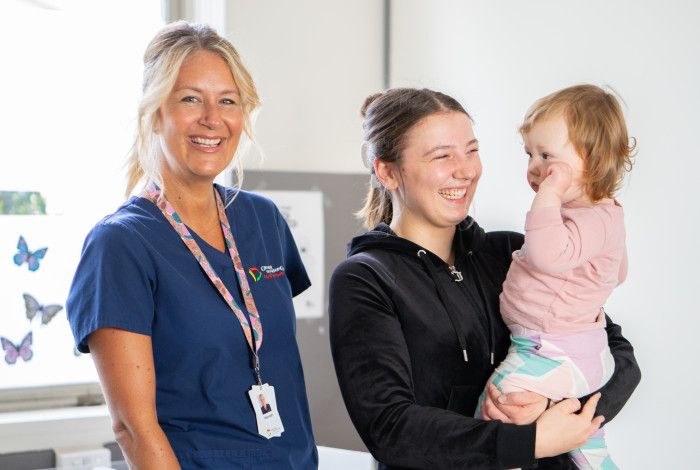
[[253, 330]]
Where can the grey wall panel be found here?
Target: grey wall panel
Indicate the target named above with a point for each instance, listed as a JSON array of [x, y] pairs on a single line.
[[342, 196], [28, 460], [44, 459]]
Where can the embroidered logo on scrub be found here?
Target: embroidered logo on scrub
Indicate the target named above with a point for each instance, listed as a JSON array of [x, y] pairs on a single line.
[[255, 274], [265, 272]]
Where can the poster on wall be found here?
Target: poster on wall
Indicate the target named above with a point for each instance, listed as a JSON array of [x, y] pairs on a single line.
[[303, 211]]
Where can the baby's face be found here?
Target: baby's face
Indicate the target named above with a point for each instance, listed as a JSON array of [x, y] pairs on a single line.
[[548, 142]]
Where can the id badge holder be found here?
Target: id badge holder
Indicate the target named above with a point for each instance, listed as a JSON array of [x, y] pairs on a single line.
[[264, 402]]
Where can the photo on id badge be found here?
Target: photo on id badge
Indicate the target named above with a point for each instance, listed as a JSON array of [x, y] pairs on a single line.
[[262, 397]]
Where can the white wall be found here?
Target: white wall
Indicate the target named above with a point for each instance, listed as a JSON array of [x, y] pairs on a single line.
[[314, 62], [497, 58]]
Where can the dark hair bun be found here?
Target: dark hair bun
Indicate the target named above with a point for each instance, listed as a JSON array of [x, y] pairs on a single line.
[[368, 101]]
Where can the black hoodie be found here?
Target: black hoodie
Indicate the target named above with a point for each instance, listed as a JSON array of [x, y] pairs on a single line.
[[400, 319]]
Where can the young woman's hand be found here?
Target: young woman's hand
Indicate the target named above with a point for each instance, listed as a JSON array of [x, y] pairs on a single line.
[[514, 407], [560, 429]]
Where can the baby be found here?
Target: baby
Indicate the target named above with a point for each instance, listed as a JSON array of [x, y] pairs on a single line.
[[574, 253]]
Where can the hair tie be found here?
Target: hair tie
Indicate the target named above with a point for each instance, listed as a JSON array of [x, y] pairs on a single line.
[[366, 158], [368, 162]]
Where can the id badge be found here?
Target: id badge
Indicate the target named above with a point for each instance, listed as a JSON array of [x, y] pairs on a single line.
[[262, 397]]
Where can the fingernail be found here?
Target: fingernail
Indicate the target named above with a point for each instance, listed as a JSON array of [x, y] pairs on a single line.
[[501, 399]]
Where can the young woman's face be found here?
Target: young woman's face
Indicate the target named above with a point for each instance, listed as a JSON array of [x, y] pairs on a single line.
[[548, 141], [438, 170], [201, 120]]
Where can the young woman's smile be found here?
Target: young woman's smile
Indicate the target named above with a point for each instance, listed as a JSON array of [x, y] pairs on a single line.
[[437, 175]]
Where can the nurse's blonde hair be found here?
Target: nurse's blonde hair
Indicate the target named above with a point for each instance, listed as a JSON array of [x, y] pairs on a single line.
[[162, 61]]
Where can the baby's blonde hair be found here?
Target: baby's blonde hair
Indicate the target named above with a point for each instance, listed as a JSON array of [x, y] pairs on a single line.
[[597, 130]]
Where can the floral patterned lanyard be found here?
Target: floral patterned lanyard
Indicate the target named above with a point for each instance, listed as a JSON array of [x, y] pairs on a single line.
[[152, 193]]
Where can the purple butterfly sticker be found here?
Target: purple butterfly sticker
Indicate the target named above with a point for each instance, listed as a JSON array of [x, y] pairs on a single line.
[[13, 351], [32, 258], [46, 312]]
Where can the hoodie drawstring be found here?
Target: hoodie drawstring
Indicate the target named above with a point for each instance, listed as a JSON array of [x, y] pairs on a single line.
[[422, 255], [492, 336]]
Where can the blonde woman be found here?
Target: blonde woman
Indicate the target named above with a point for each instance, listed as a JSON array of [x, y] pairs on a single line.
[[184, 340]]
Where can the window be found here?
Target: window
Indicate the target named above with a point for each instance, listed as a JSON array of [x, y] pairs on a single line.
[[71, 82]]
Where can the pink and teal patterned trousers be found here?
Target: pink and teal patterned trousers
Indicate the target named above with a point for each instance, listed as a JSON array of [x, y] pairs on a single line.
[[559, 366]]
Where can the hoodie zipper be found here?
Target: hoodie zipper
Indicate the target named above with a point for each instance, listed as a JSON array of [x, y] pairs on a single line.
[[458, 277], [442, 295]]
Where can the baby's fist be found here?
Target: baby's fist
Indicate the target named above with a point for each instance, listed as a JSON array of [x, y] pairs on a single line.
[[558, 178]]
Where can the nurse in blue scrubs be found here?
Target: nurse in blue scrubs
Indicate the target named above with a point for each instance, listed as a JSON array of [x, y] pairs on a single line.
[[184, 294]]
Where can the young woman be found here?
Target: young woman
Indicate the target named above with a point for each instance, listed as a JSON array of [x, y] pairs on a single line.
[[415, 326]]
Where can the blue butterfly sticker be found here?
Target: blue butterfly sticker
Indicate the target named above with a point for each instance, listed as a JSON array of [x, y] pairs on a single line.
[[25, 256], [13, 351], [46, 312]]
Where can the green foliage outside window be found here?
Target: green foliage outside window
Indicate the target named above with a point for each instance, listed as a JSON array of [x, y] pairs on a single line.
[[22, 203]]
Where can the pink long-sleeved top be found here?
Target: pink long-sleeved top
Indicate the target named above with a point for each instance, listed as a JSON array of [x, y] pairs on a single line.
[[572, 259]]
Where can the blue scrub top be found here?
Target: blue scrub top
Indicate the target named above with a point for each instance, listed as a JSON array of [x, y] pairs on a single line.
[[136, 274]]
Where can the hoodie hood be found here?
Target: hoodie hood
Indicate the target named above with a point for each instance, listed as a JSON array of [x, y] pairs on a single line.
[[469, 237]]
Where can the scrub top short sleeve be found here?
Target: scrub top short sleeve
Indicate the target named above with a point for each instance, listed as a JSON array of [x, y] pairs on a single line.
[[113, 285]]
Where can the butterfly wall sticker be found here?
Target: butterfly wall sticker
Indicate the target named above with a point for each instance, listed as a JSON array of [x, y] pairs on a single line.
[[24, 255], [34, 308], [13, 351]]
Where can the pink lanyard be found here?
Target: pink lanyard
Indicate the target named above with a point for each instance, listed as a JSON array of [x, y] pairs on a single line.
[[152, 193]]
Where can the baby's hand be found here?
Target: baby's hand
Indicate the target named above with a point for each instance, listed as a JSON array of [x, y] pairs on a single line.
[[514, 407], [558, 179]]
